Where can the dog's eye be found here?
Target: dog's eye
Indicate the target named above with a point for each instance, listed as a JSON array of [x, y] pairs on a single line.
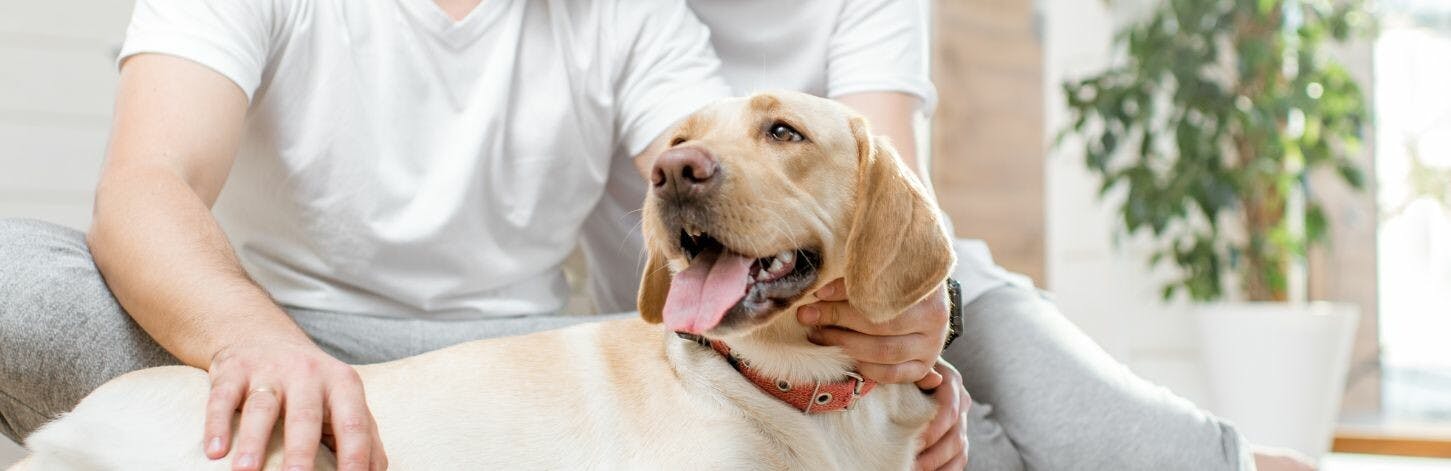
[[785, 133], [677, 141]]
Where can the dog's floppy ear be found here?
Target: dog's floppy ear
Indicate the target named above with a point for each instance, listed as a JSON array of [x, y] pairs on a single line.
[[898, 251], [654, 285]]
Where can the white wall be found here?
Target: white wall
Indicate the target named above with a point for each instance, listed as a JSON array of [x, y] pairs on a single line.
[[56, 82], [1101, 282], [56, 85]]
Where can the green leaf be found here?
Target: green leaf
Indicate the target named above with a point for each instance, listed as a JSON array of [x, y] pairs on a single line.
[[1316, 224], [1096, 160], [1352, 174], [1266, 7]]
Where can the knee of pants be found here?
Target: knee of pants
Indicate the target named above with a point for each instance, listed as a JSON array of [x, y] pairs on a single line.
[[47, 280], [29, 244]]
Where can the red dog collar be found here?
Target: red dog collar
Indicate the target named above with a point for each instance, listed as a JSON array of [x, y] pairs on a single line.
[[810, 398]]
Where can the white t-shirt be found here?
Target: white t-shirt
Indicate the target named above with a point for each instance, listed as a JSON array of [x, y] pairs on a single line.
[[398, 163], [828, 48]]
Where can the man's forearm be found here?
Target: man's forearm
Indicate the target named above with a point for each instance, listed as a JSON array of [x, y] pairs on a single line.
[[171, 267]]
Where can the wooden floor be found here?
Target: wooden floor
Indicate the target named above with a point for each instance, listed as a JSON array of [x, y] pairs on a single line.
[[1353, 462], [1398, 443]]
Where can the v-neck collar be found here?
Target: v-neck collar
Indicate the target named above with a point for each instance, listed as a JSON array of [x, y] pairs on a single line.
[[456, 33]]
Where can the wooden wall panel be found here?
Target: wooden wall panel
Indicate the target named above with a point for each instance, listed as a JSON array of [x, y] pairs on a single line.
[[1345, 269], [988, 130]]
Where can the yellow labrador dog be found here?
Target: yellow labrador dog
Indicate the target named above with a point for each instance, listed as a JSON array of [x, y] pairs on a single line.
[[756, 202]]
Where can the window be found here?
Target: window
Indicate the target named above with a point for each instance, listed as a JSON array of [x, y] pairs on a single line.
[[1413, 168]]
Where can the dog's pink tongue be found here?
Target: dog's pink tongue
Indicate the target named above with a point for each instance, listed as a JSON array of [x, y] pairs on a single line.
[[700, 296]]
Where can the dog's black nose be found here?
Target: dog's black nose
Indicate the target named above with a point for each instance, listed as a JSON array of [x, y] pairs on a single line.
[[684, 170]]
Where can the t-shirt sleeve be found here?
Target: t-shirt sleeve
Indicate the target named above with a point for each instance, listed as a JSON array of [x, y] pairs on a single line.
[[668, 69], [232, 37], [880, 46]]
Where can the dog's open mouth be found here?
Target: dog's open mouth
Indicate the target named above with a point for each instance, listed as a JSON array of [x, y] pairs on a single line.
[[721, 282]]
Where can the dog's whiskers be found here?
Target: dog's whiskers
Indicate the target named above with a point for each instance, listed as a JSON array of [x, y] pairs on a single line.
[[794, 242]]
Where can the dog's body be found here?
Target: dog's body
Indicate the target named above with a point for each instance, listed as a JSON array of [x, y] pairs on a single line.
[[631, 394], [614, 395]]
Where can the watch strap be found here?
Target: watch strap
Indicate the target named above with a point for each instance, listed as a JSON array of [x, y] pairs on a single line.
[[954, 311]]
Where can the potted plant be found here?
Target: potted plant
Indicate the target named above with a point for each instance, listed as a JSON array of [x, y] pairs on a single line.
[[1207, 130]]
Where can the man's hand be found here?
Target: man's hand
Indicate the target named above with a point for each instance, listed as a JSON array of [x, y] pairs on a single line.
[[944, 443], [901, 350], [314, 394]]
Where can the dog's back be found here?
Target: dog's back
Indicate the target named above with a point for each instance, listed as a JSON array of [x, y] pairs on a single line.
[[148, 419], [600, 395]]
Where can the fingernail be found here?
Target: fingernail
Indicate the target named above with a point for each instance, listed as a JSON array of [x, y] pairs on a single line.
[[814, 337], [294, 468], [808, 315], [247, 460], [827, 291], [214, 445]]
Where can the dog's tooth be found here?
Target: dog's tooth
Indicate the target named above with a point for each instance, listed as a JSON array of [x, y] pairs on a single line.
[[762, 275], [776, 265], [786, 256]]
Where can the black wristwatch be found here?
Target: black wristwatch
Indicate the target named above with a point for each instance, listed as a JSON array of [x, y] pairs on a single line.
[[954, 311]]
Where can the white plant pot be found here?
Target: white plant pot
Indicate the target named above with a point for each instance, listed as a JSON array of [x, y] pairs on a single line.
[[1277, 370]]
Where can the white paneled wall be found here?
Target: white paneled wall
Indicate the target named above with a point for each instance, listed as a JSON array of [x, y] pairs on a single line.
[[57, 76], [1101, 282]]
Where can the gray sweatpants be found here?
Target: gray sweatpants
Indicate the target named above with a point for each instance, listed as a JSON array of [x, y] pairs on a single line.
[[1045, 397]]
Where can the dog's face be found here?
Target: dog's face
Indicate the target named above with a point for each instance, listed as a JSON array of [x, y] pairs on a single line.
[[758, 201]]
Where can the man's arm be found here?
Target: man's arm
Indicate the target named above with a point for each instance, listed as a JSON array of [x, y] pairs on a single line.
[[174, 138], [153, 237]]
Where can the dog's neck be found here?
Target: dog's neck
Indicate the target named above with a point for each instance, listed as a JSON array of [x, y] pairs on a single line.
[[781, 350]]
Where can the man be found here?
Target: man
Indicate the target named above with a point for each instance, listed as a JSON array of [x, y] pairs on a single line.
[[399, 176]]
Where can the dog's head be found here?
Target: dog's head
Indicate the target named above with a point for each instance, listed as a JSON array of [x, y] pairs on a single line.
[[756, 202]]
